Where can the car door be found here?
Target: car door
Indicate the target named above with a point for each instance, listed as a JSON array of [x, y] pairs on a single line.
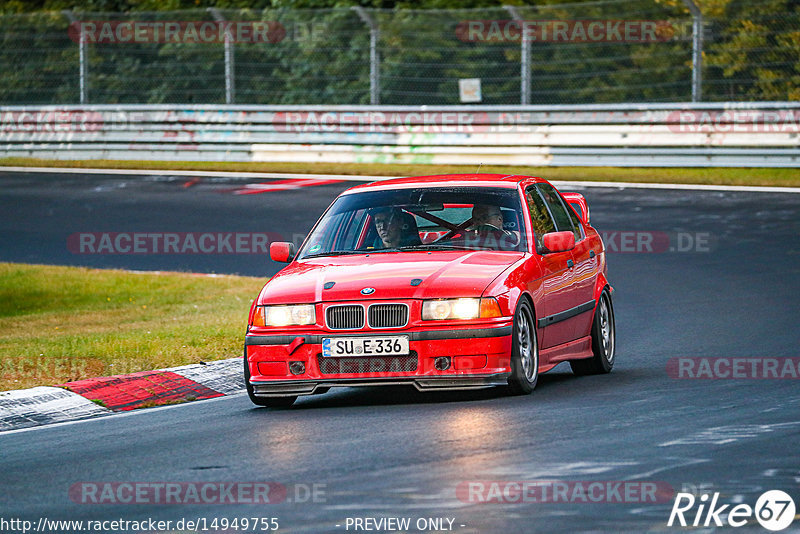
[[584, 270], [557, 277]]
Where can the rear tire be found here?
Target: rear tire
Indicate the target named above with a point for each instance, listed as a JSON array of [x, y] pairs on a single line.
[[603, 341], [269, 402], [524, 351]]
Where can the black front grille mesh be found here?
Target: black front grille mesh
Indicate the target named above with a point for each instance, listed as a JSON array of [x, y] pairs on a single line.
[[344, 317], [387, 315], [383, 364]]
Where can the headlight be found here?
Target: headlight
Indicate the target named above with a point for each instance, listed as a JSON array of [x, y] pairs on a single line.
[[466, 308], [285, 315]]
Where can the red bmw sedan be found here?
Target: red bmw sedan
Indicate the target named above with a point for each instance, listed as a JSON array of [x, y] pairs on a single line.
[[438, 282]]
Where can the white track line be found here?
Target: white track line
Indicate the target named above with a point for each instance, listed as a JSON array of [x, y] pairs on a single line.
[[354, 178], [695, 187]]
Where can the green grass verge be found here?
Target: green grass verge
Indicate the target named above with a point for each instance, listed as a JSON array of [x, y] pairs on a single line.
[[711, 176], [67, 323]]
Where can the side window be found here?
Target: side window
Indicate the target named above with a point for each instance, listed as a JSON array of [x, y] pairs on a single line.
[[576, 222], [541, 220], [559, 211]]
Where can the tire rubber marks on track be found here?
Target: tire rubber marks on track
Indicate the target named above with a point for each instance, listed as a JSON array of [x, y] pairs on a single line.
[[722, 435], [282, 185]]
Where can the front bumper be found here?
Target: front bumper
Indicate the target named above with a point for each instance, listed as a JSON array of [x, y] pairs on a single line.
[[480, 357], [277, 388]]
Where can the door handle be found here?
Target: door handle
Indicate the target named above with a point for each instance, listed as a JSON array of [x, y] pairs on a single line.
[[570, 264]]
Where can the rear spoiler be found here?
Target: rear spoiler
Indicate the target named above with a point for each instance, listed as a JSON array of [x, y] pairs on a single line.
[[578, 203]]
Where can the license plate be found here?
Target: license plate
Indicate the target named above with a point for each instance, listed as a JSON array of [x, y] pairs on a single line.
[[339, 347]]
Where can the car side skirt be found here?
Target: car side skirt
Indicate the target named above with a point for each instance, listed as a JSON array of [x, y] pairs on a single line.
[[573, 350], [566, 314]]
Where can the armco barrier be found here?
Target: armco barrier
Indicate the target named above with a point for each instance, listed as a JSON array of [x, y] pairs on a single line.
[[734, 134]]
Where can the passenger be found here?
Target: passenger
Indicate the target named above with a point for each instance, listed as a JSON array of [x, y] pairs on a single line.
[[395, 228], [486, 217], [487, 225]]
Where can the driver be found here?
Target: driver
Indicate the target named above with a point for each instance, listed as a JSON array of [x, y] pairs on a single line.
[[395, 228]]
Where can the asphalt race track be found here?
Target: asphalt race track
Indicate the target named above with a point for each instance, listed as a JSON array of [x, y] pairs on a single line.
[[704, 274]]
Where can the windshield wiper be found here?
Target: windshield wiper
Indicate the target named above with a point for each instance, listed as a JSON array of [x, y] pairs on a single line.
[[336, 253], [407, 248], [403, 248], [390, 249], [435, 246]]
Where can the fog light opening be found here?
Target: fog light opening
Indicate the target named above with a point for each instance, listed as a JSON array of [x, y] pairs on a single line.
[[442, 363], [297, 368]]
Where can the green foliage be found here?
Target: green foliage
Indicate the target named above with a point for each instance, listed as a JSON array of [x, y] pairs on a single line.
[[66, 323], [752, 52], [757, 54]]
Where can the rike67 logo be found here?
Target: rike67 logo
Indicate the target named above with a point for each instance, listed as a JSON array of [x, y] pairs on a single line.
[[774, 510]]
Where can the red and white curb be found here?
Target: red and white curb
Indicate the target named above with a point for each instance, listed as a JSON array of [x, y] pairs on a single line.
[[97, 397], [42, 406]]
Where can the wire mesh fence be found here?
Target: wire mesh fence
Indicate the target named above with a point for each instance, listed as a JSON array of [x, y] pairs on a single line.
[[590, 52]]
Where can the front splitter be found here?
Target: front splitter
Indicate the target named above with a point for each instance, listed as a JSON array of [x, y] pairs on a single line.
[[285, 388]]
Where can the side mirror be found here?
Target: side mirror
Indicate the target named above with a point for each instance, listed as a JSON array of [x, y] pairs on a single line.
[[281, 251], [558, 242]]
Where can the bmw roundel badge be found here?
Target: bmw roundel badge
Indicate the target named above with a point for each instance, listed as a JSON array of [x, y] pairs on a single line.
[[368, 291]]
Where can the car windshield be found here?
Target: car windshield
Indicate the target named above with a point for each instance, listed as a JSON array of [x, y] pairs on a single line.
[[430, 218]]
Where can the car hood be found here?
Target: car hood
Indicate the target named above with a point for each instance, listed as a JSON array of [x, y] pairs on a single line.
[[442, 274]]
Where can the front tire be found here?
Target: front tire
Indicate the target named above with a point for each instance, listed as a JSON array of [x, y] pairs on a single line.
[[524, 351], [269, 402], [604, 335]]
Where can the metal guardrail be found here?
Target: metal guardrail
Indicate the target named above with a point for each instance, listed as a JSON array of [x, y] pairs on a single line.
[[742, 134]]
